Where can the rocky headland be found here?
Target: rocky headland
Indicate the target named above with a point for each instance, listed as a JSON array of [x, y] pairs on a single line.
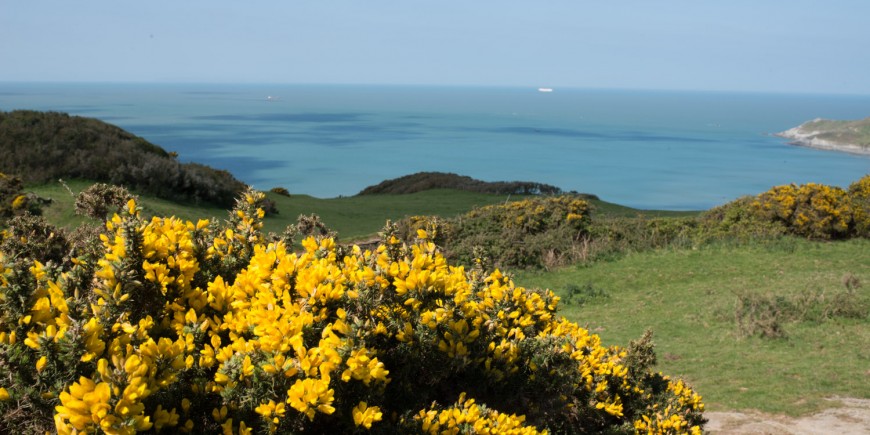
[[846, 136]]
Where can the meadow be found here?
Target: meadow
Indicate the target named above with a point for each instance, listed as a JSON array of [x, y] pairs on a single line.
[[690, 298]]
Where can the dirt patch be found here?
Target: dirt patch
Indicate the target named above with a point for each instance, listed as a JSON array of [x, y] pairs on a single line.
[[850, 416]]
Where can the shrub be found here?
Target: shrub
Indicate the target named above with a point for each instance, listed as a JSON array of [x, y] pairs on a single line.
[[14, 201], [205, 327], [575, 294], [280, 191], [859, 193], [760, 315], [613, 236], [739, 220], [809, 210], [99, 200], [440, 180], [766, 315], [533, 232]]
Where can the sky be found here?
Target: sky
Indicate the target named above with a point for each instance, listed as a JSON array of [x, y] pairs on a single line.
[[805, 46]]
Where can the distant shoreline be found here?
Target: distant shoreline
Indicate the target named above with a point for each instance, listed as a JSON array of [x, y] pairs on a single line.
[[821, 144], [823, 135]]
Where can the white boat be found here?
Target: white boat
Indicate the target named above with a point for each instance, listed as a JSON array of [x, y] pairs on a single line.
[[545, 89]]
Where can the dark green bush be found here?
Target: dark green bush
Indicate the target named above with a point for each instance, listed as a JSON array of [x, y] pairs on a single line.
[[439, 180], [280, 191], [46, 146]]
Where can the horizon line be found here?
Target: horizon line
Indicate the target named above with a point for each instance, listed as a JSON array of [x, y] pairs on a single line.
[[556, 88]]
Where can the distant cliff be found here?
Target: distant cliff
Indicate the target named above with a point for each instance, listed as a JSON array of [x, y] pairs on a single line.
[[846, 136]]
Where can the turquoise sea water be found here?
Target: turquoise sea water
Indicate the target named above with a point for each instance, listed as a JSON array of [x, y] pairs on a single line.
[[646, 149]]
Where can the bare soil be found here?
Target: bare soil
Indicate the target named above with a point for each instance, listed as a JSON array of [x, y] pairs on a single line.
[[848, 416]]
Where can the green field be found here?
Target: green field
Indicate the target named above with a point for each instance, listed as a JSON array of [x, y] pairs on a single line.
[[688, 298], [353, 217]]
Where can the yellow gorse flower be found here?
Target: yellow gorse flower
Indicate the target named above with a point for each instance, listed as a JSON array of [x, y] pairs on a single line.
[[364, 415]]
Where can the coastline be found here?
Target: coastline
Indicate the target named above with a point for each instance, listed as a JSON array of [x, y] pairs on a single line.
[[798, 137]]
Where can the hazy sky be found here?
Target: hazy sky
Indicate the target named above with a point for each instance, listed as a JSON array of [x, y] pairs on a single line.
[[747, 45]]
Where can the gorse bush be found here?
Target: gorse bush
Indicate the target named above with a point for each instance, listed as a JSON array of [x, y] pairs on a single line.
[[545, 232], [809, 210], [612, 236], [14, 201], [207, 327], [738, 220], [859, 192], [534, 232]]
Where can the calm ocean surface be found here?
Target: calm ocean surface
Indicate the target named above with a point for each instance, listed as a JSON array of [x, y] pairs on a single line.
[[646, 149]]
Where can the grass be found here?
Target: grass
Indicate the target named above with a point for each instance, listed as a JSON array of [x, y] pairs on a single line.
[[688, 298], [61, 211], [354, 217], [357, 217]]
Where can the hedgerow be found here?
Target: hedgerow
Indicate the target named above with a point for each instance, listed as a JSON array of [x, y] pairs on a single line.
[[209, 327]]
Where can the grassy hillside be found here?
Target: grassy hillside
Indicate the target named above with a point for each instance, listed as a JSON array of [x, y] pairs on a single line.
[[42, 147], [853, 132], [826, 133], [690, 299]]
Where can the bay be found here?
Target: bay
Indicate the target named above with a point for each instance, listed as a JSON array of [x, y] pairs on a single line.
[[645, 149]]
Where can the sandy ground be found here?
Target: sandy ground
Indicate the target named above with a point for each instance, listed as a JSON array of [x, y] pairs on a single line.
[[849, 417]]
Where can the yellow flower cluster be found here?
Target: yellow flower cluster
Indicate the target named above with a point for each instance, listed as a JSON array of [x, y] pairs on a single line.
[[197, 328], [671, 419], [364, 415], [467, 417], [811, 210], [859, 192], [19, 202]]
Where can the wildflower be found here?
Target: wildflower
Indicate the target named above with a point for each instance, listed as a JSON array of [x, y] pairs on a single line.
[[364, 415]]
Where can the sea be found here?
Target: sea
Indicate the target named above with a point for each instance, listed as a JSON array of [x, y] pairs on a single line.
[[668, 150]]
